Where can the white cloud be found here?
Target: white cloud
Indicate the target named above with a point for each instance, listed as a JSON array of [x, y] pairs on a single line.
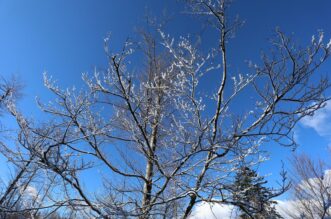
[[320, 121], [29, 196], [312, 188], [286, 208], [218, 211], [213, 211], [30, 192]]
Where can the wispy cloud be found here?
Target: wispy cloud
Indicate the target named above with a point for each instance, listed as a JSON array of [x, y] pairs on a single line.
[[313, 201], [320, 121]]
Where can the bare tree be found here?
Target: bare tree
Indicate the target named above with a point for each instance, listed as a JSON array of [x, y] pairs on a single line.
[[11, 192], [28, 191], [152, 135], [10, 91], [312, 188]]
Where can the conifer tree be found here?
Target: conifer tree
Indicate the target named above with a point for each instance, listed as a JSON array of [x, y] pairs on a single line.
[[254, 196]]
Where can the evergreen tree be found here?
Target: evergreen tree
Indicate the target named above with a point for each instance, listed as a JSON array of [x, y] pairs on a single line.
[[253, 196]]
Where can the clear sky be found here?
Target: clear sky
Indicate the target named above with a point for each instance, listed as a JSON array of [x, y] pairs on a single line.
[[65, 38]]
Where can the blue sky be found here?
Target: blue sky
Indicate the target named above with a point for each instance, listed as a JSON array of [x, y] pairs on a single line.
[[65, 38]]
